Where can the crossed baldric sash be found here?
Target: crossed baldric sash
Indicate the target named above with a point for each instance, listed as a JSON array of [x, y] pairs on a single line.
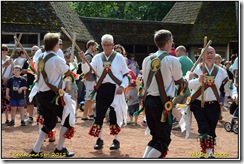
[[208, 84], [156, 71], [59, 91], [106, 70]]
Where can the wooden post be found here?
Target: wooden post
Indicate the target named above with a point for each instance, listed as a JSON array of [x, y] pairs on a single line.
[[15, 46], [203, 72], [73, 48], [12, 54], [78, 48], [201, 55], [20, 45]]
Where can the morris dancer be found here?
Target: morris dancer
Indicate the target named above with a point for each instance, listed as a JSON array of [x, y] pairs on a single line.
[[112, 70], [53, 101], [39, 52], [207, 117], [161, 73]]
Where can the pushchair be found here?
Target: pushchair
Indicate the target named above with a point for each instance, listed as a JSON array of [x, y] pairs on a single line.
[[233, 125]]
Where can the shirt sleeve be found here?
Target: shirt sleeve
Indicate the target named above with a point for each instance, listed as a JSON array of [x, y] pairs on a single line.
[[194, 83], [8, 71], [85, 67], [235, 65], [60, 54], [9, 83], [176, 69], [125, 71], [62, 67], [229, 87], [144, 71]]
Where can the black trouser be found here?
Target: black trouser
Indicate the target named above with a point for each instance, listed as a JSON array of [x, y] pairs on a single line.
[[104, 98], [207, 117], [50, 111], [160, 131]]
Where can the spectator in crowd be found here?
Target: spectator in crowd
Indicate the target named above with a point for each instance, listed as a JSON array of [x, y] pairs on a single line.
[[30, 79], [7, 66], [134, 65], [90, 81], [133, 102], [21, 58], [15, 94]]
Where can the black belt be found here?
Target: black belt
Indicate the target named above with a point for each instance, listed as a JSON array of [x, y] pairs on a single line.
[[108, 83], [168, 97], [207, 102], [49, 91]]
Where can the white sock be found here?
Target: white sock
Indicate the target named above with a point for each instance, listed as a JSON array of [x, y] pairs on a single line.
[[61, 139], [210, 152], [148, 149], [41, 137], [187, 134], [116, 137], [101, 134], [154, 153]]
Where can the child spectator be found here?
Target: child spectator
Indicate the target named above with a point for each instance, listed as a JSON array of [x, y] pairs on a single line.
[[16, 86], [133, 102]]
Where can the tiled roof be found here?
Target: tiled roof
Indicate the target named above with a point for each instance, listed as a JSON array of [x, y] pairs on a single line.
[[71, 21], [29, 17], [133, 32], [41, 17], [183, 12], [216, 20], [188, 21]]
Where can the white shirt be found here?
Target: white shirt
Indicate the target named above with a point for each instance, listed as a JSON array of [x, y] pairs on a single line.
[[37, 55], [133, 67], [194, 84], [8, 69], [19, 61], [72, 66], [235, 65], [55, 68], [171, 72], [118, 68], [39, 52], [60, 53]]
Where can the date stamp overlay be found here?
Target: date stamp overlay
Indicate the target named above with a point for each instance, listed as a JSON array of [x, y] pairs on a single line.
[[217, 155], [48, 154]]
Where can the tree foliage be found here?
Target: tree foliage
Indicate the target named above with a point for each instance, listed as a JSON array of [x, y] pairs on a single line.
[[154, 11]]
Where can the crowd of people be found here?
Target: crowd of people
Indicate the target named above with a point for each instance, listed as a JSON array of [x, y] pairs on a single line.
[[115, 88]]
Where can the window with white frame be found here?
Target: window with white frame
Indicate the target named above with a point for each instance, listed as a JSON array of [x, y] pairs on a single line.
[[27, 40]]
